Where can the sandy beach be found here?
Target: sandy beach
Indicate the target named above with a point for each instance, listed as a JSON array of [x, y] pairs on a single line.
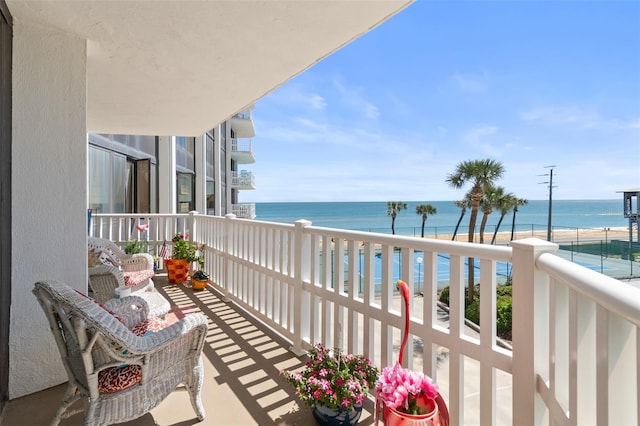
[[558, 236]]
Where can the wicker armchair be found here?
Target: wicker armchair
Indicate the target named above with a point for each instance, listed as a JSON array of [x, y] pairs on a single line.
[[128, 262], [93, 343], [134, 271], [103, 281]]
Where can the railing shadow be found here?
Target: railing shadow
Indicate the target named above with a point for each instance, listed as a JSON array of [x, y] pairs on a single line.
[[248, 358]]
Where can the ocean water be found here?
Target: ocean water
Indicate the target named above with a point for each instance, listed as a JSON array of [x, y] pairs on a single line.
[[372, 216]]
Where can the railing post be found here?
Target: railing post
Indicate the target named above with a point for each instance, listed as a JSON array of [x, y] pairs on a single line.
[[530, 328], [301, 298], [192, 225]]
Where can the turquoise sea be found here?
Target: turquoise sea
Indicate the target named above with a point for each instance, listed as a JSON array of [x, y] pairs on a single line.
[[372, 216]]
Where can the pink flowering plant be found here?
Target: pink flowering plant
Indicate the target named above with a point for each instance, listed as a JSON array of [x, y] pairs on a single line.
[[333, 379], [405, 390]]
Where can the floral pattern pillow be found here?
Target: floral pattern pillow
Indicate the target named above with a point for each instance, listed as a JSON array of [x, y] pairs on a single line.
[[115, 379], [98, 257]]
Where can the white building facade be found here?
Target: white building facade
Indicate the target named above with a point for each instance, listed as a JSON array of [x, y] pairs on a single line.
[[176, 174]]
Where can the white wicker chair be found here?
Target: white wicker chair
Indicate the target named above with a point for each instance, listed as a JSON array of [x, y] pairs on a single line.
[[128, 262], [104, 279], [91, 339]]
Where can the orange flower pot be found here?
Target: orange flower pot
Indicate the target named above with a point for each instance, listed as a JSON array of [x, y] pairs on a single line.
[[198, 284], [392, 417], [177, 270]]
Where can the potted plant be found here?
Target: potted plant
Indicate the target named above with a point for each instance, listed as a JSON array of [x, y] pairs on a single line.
[[334, 384], [407, 397], [199, 280], [403, 394], [183, 254]]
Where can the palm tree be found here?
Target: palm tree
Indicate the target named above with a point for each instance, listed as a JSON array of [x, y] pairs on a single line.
[[425, 210], [393, 208], [505, 204], [488, 203], [519, 202], [463, 204], [482, 174]]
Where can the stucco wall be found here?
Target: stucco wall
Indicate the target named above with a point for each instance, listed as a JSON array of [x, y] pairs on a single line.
[[49, 196]]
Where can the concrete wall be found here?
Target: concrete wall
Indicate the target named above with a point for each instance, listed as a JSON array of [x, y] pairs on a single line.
[[49, 199], [167, 192]]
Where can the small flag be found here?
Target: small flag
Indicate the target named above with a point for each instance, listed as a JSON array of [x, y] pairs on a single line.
[[164, 250]]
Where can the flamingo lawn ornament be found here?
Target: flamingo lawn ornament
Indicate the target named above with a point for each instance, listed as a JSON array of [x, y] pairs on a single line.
[[425, 407], [403, 288]]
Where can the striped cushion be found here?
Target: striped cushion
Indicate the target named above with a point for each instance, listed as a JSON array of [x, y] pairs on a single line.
[[133, 278]]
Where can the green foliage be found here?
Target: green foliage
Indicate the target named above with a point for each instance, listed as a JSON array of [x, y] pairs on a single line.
[[504, 304], [472, 311], [200, 275], [504, 313], [135, 246], [183, 249], [444, 296], [504, 290]]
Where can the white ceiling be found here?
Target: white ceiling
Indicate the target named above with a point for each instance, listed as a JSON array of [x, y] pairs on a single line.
[[181, 67]]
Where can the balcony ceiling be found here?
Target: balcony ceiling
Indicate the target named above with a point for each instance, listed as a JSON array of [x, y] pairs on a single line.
[[180, 67]]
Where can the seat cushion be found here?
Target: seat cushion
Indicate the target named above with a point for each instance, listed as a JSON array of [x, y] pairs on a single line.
[[134, 278], [150, 325], [115, 379]]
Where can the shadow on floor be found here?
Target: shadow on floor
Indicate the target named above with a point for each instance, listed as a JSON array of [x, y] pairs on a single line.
[[242, 385]]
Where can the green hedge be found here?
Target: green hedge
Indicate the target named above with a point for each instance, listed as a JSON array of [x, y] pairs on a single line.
[[503, 308]]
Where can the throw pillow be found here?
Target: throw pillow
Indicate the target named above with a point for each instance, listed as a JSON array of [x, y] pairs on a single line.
[[115, 379], [94, 258]]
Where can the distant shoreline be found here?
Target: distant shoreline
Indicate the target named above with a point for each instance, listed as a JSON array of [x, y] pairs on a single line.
[[561, 235]]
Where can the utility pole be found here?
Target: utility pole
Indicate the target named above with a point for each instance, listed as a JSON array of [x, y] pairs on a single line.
[[550, 182]]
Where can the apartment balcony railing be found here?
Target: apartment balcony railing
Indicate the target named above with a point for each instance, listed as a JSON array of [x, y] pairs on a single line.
[[242, 151], [244, 210], [242, 180], [576, 333], [242, 124]]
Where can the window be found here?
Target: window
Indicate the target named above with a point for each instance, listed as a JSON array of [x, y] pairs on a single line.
[[186, 203]]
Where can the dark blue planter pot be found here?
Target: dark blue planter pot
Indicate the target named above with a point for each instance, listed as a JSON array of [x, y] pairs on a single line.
[[336, 416]]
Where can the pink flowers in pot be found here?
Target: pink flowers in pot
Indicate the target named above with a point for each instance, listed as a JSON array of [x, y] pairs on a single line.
[[405, 390], [333, 379]]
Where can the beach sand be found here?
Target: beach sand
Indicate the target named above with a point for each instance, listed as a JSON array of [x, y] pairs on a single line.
[[557, 236]]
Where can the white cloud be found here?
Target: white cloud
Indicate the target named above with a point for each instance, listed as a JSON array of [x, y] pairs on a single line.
[[634, 124], [352, 96], [478, 134], [297, 95], [577, 117], [469, 83]]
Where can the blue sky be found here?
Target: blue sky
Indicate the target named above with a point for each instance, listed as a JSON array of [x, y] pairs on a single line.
[[529, 84]]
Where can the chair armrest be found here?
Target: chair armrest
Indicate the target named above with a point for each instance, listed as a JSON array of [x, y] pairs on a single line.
[[132, 309], [193, 327], [103, 281]]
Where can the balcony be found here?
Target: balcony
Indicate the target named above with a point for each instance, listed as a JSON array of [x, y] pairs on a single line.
[[242, 180], [242, 151], [244, 210], [242, 124], [576, 333]]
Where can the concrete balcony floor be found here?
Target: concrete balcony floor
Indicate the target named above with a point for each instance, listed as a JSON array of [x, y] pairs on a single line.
[[242, 385]]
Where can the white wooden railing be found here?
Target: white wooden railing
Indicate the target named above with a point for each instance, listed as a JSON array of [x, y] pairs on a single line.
[[576, 333]]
